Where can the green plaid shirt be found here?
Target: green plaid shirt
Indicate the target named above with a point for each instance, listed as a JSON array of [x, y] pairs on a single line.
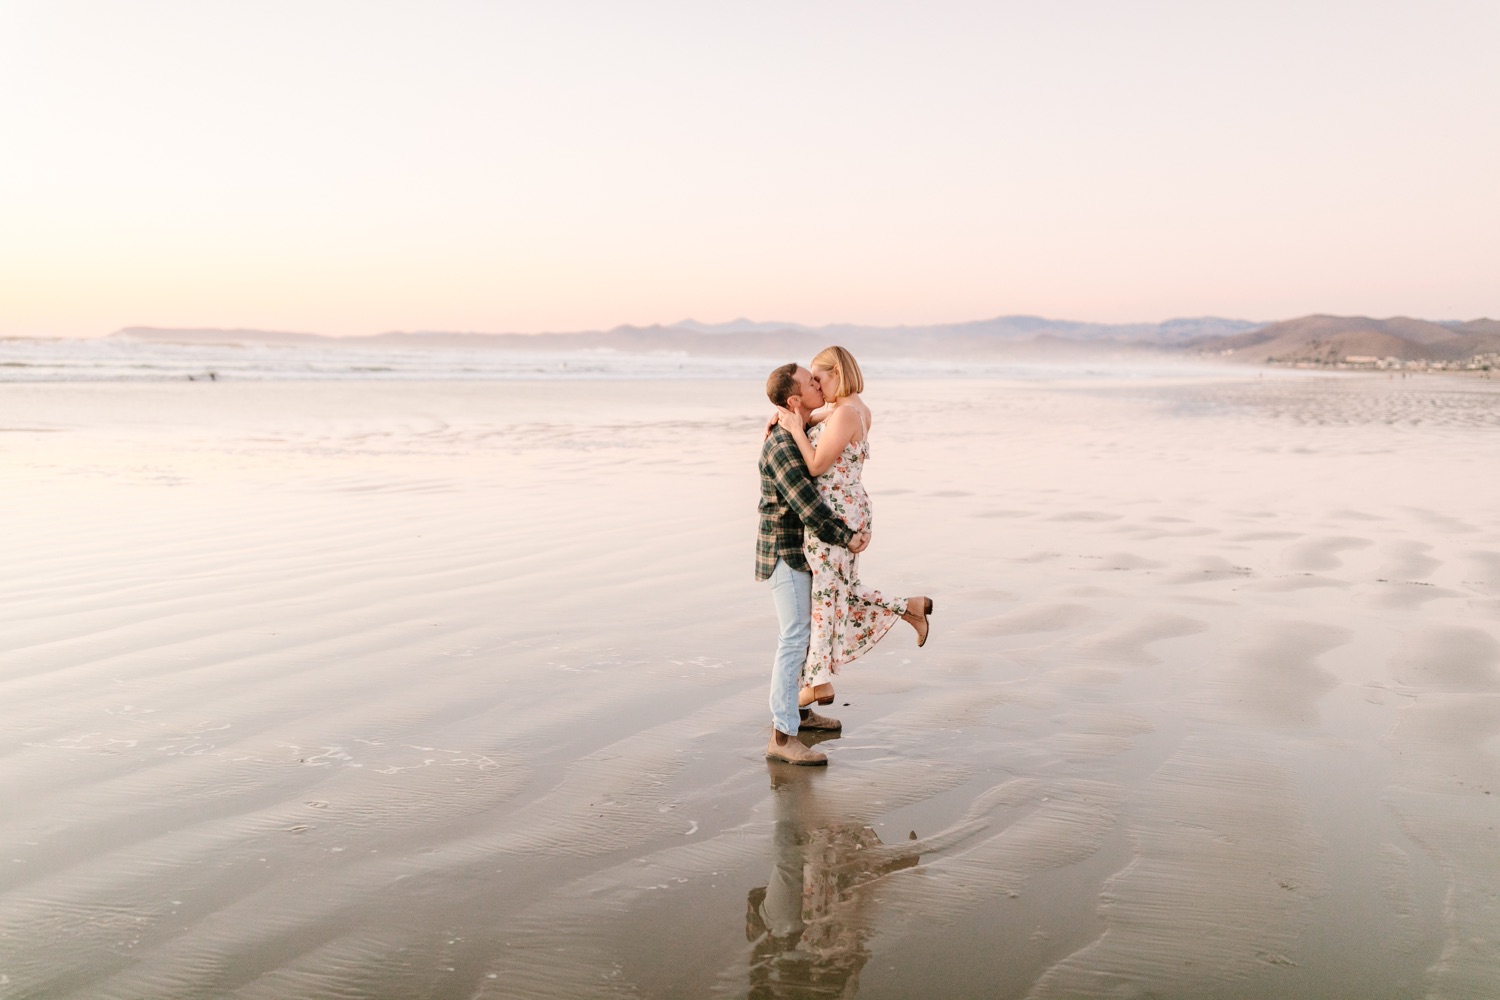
[[789, 500]]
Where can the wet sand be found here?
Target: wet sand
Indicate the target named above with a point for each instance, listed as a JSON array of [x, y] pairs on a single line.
[[458, 690]]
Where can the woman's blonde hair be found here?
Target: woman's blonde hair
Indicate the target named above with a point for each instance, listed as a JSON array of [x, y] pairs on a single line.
[[838, 359]]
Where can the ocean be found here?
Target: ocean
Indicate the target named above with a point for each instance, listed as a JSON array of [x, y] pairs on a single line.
[[119, 360]]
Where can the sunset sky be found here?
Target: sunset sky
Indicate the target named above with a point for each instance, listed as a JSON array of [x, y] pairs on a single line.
[[355, 167]]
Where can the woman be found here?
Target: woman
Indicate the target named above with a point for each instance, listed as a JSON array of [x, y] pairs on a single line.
[[848, 618]]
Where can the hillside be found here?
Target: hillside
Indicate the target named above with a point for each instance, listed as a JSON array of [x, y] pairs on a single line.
[[1333, 339]]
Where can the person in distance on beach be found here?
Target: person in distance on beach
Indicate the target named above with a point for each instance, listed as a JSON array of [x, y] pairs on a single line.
[[789, 508], [848, 617]]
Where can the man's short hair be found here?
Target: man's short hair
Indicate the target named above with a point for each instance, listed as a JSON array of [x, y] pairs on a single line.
[[782, 385]]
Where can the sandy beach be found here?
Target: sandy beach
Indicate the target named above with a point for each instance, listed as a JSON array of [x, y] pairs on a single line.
[[441, 689]]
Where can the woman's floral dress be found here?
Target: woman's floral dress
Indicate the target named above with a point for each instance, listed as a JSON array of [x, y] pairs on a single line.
[[848, 618]]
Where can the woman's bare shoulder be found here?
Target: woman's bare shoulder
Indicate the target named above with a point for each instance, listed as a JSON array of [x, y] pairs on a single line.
[[844, 416], [860, 415]]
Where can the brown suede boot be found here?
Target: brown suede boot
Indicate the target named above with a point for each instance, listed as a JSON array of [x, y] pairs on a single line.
[[822, 723], [793, 752]]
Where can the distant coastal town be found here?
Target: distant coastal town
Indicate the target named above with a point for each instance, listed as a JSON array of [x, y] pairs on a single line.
[[1478, 363]]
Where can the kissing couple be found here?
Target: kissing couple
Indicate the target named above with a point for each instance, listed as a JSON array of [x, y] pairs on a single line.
[[814, 522]]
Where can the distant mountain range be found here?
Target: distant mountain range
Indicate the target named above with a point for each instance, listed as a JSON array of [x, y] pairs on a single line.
[[1005, 335], [1001, 328], [1324, 339]]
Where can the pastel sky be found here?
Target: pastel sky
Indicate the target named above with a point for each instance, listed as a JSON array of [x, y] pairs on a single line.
[[356, 166]]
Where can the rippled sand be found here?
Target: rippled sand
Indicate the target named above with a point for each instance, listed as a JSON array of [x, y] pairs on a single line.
[[458, 690]]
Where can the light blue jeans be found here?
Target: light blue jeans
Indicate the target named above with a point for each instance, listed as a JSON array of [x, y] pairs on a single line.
[[791, 589]]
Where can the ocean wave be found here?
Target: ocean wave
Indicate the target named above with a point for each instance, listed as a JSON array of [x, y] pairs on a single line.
[[123, 360]]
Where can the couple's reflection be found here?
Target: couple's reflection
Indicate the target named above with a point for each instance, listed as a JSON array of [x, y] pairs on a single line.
[[808, 924]]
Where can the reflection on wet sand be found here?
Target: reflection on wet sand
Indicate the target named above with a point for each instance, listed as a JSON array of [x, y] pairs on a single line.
[[808, 924]]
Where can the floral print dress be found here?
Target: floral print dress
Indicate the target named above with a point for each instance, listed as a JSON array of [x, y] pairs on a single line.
[[848, 618]]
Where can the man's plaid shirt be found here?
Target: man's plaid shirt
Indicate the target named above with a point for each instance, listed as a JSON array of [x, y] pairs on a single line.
[[789, 500]]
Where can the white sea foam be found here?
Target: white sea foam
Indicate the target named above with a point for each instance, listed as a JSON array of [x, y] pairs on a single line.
[[111, 360]]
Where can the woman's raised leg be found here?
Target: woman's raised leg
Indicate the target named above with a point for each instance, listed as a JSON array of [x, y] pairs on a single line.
[[917, 610]]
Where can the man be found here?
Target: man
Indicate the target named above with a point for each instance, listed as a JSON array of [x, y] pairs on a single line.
[[789, 503]]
